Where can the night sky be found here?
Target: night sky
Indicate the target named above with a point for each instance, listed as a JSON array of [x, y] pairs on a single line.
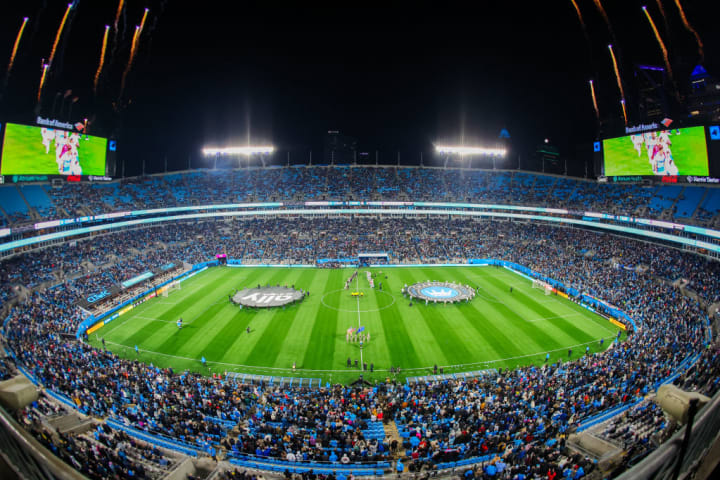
[[396, 76]]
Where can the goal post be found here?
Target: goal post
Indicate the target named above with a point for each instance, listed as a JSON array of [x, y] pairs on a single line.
[[539, 284], [170, 287]]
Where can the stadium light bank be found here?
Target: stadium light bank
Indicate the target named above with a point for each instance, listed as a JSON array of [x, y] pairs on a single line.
[[248, 150], [463, 150]]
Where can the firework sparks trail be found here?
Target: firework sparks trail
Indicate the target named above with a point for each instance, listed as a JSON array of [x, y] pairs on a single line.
[[660, 42], [617, 72], [604, 14], [117, 15], [622, 102], [17, 43], [59, 33], [102, 59], [133, 48], [701, 47], [42, 81], [579, 14], [594, 99]]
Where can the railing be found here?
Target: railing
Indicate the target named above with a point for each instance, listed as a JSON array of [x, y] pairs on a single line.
[[27, 457], [673, 459]]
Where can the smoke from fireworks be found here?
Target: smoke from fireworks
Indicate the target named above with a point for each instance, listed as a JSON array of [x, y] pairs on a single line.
[[660, 42], [617, 72], [42, 81], [17, 43], [102, 59], [604, 14], [622, 102], [59, 33], [594, 99], [701, 47]]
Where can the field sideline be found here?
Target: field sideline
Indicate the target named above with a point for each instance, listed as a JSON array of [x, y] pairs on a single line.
[[497, 329]]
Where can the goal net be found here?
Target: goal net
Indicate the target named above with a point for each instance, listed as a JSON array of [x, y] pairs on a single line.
[[171, 287], [542, 286]]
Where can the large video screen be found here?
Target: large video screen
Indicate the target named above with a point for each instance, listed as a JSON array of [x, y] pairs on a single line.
[[30, 150], [678, 151]]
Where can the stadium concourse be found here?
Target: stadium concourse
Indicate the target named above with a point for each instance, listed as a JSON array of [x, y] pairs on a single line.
[[512, 424]]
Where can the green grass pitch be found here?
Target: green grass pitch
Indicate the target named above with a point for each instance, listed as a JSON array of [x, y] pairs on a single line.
[[24, 153], [689, 154], [497, 329]]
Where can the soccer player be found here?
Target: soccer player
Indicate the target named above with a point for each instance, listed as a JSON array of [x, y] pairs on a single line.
[[48, 134], [179, 323], [637, 141], [248, 329]]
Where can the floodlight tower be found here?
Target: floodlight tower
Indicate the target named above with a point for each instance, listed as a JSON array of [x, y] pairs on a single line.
[[464, 150], [247, 151]]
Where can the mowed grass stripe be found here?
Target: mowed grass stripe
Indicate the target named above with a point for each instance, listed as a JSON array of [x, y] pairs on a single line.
[[408, 335], [559, 325], [275, 337], [199, 297], [453, 347], [321, 346], [390, 341], [537, 335], [499, 343], [297, 340]]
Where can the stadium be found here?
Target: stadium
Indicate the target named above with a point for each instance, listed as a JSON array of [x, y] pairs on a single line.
[[257, 313]]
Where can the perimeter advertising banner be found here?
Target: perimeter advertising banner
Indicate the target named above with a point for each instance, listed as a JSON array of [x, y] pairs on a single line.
[[673, 152], [31, 150]]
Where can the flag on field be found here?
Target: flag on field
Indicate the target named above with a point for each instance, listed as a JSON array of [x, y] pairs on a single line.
[[350, 330], [361, 329]]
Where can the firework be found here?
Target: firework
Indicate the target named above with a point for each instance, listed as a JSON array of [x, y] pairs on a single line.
[[102, 59], [662, 12], [701, 47], [59, 33], [604, 14], [622, 102], [17, 43], [579, 14], [660, 42], [594, 99], [133, 47], [142, 22], [117, 15], [617, 72], [42, 80]]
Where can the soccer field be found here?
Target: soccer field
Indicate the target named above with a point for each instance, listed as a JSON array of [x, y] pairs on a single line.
[[497, 329]]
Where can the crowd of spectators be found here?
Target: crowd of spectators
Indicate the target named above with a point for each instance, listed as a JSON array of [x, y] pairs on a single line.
[[521, 415], [307, 183]]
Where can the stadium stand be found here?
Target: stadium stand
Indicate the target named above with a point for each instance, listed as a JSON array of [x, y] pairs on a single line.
[[515, 421]]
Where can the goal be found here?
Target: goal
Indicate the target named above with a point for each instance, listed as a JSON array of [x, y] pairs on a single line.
[[172, 286], [543, 286]]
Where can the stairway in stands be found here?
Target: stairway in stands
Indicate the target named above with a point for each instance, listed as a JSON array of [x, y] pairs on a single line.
[[392, 433]]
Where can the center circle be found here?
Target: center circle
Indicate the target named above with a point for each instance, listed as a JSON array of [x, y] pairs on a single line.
[[389, 300]]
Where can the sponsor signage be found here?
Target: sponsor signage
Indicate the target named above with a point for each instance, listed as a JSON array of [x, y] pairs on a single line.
[[96, 297], [642, 128], [51, 122], [263, 297]]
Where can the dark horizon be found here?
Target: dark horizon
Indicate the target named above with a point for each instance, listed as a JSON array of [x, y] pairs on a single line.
[[397, 78]]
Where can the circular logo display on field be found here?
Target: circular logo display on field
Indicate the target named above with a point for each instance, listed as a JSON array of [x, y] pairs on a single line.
[[267, 296], [441, 292]]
